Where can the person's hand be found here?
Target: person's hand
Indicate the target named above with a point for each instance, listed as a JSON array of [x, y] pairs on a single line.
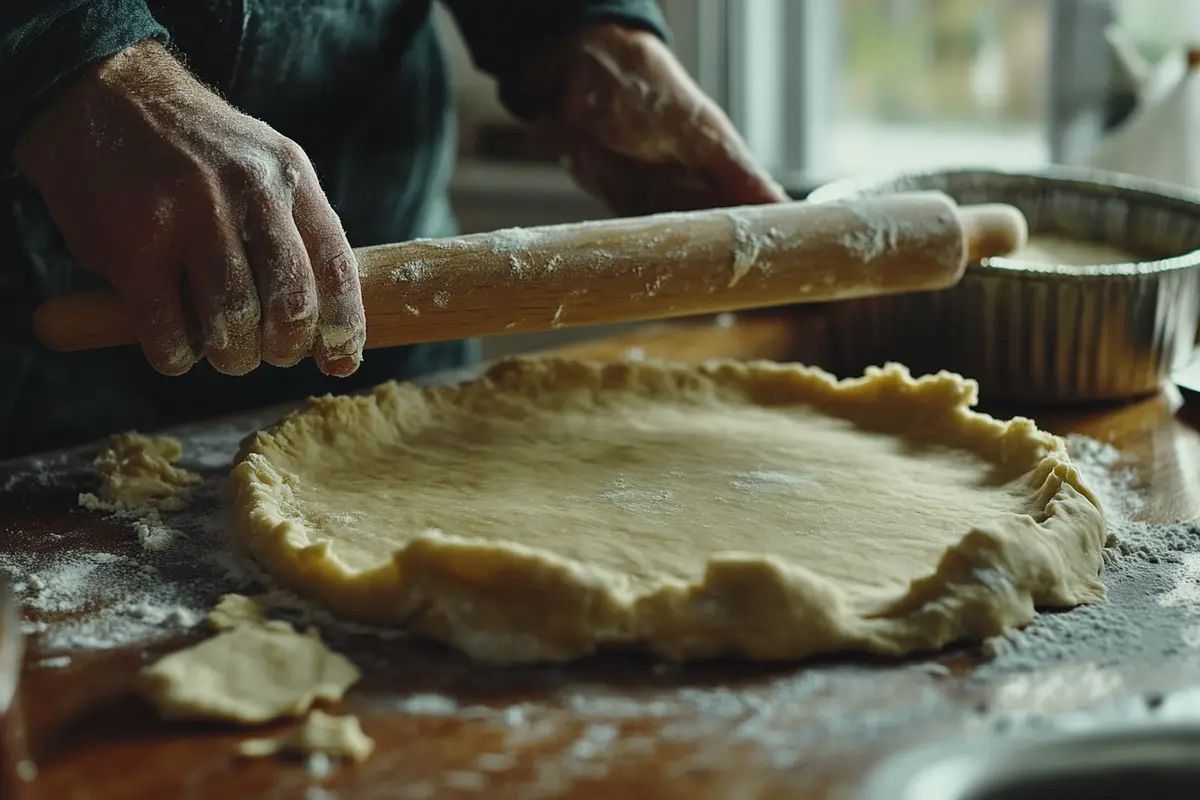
[[210, 225], [635, 130]]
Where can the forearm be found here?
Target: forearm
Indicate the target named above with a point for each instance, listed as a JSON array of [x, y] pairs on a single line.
[[44, 42], [505, 37]]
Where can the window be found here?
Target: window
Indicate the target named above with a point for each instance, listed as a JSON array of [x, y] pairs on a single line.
[[928, 82], [1157, 26], [824, 88]]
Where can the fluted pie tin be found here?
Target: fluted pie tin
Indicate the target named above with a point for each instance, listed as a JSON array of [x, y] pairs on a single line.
[[1035, 332]]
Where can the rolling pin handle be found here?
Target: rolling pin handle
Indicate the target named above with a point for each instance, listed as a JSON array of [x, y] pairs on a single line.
[[992, 230]]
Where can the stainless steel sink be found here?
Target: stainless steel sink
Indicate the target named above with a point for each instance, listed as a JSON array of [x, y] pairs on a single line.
[[1154, 761]]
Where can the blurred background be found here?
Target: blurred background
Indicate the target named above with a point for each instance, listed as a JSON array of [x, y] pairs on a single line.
[[823, 89]]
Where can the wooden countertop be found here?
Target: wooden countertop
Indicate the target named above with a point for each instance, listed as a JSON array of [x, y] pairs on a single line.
[[610, 727]]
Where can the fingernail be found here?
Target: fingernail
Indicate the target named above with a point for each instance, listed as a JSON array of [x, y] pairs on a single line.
[[344, 366]]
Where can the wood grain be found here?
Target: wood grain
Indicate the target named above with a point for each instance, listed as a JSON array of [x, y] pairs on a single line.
[[625, 270], [618, 726]]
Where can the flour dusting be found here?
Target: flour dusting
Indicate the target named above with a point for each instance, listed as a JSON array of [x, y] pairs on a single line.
[[37, 472], [628, 496], [413, 271], [513, 240], [748, 245], [1152, 573], [1106, 473], [759, 480], [147, 523], [62, 593], [165, 570], [879, 235], [579, 730]]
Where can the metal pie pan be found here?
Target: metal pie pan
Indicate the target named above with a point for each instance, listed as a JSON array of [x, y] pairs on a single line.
[[1042, 333], [1140, 760]]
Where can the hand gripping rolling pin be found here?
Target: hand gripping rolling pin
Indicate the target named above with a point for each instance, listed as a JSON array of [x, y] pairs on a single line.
[[633, 269]]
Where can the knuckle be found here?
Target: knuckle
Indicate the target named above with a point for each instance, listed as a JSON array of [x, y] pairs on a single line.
[[273, 173], [250, 172], [291, 162], [289, 153], [339, 273], [242, 305], [292, 305], [237, 312], [268, 169]]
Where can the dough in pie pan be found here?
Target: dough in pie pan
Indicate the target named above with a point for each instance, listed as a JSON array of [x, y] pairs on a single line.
[[1043, 332], [554, 507]]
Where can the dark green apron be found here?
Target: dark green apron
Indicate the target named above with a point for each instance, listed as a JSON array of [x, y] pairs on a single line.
[[362, 85]]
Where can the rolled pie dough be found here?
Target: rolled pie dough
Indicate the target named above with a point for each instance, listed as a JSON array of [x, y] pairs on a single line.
[[761, 510]]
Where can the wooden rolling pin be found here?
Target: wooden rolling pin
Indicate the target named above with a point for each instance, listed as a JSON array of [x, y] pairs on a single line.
[[625, 270]]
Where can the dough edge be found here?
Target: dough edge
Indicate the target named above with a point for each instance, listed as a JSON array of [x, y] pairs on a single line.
[[505, 602]]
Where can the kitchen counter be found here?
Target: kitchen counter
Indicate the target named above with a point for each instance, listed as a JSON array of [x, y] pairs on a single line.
[[615, 726]]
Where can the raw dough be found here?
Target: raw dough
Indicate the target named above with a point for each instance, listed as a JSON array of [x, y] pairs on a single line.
[[1072, 252], [763, 510], [256, 670], [139, 472], [139, 480], [237, 609], [342, 737]]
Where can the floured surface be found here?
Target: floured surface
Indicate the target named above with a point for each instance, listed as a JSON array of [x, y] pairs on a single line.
[[672, 508]]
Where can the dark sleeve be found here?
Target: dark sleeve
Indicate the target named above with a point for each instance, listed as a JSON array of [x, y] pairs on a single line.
[[501, 35], [42, 42]]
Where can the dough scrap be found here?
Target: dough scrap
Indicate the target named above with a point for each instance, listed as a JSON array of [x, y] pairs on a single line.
[[340, 736], [762, 510], [139, 472], [255, 671], [233, 610]]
